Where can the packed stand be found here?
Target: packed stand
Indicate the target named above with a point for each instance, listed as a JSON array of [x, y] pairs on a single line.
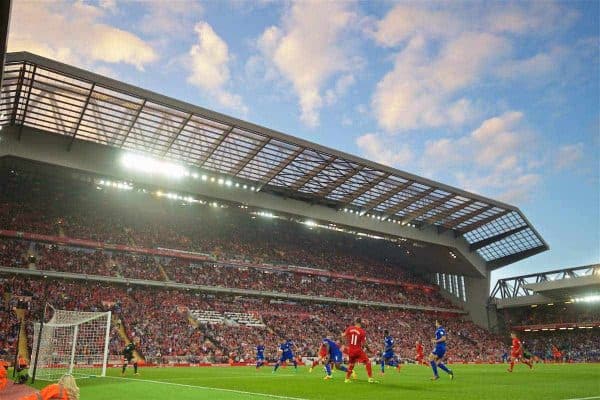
[[136, 266], [577, 345], [557, 313], [157, 320], [224, 233]]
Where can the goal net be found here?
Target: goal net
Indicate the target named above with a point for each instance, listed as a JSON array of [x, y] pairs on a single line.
[[72, 342]]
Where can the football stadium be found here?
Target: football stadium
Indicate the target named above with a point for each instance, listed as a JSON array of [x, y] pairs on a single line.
[[151, 248]]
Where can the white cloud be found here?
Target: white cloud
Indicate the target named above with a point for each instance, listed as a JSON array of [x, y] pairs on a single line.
[[382, 150], [340, 88], [74, 32], [423, 90], [444, 50], [171, 18], [209, 62], [497, 158], [407, 19], [568, 155], [110, 5], [536, 18], [307, 50], [537, 66]]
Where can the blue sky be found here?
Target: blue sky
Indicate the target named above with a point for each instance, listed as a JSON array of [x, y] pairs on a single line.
[[499, 98]]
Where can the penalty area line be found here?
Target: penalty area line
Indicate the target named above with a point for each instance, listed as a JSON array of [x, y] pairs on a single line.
[[270, 396], [584, 398]]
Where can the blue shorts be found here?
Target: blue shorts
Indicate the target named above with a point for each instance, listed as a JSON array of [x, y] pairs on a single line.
[[286, 357], [388, 354], [439, 351], [260, 358], [336, 357]]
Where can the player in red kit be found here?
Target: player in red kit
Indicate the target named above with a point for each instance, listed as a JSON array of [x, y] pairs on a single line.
[[556, 354], [321, 359], [516, 353], [356, 338], [419, 349]]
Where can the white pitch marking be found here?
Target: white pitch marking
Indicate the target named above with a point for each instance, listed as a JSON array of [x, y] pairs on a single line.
[[585, 398], [271, 396]]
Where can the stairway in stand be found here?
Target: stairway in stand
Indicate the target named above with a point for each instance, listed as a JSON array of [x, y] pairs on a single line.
[[116, 322]]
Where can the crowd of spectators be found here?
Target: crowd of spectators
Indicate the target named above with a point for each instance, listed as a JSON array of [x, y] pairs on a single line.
[[265, 279], [9, 328], [157, 320], [230, 233], [131, 265], [557, 313], [13, 253], [80, 261], [574, 345]]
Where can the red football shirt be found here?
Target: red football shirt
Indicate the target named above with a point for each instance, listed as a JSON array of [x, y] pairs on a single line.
[[419, 348], [322, 350], [516, 345], [355, 338]]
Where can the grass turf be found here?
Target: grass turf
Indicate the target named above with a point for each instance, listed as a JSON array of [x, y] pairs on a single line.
[[490, 382]]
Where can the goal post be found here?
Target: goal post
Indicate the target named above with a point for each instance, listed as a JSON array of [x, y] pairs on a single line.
[[72, 342]]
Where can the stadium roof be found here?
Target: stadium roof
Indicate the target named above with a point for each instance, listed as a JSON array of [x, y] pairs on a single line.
[[543, 287], [62, 99]]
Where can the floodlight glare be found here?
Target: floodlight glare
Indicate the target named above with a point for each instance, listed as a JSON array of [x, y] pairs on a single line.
[[588, 299], [151, 166]]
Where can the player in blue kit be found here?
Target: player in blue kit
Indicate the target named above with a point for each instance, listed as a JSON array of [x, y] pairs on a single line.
[[260, 355], [437, 354], [387, 355], [287, 353], [333, 356]]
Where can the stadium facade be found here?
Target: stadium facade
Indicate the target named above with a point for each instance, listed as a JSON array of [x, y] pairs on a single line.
[[57, 114]]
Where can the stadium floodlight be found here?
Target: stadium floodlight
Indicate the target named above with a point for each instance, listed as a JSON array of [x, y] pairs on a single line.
[[310, 223], [221, 181], [152, 166], [237, 185], [195, 175], [204, 177], [228, 183], [587, 299]]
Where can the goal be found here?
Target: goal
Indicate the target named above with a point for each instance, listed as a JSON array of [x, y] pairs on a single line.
[[72, 342]]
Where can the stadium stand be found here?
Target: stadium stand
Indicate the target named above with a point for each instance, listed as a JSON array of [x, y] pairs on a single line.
[[158, 321]]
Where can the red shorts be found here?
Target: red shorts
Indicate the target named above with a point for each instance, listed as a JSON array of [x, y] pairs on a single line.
[[357, 355], [517, 354], [419, 357]]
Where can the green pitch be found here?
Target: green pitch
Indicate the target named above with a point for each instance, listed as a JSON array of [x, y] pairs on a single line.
[[489, 382]]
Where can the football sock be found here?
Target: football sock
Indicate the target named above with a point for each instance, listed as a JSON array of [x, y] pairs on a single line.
[[434, 368], [444, 368], [349, 371], [135, 365], [369, 370], [328, 368]]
